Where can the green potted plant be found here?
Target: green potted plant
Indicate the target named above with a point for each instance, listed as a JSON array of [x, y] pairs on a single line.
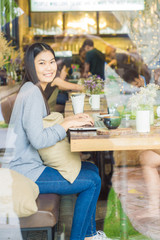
[[8, 59]]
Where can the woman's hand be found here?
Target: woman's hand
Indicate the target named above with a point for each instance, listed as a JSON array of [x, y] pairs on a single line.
[[79, 115], [77, 120]]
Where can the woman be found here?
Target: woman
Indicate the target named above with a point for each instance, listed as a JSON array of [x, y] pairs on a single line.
[[29, 110]]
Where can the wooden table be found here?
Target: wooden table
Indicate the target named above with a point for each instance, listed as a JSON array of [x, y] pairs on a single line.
[[91, 141]]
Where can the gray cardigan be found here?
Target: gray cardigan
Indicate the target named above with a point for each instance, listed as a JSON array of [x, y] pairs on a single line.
[[26, 132]]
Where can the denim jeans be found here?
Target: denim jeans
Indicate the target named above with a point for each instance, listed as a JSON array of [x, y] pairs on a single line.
[[62, 98], [87, 186]]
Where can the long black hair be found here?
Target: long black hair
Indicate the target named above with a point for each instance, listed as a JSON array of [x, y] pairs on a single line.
[[29, 65]]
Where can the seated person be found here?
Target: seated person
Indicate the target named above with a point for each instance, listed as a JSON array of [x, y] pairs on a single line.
[[124, 63], [139, 65], [150, 161], [62, 73], [126, 87], [28, 136], [110, 56], [131, 76], [157, 76], [59, 83]]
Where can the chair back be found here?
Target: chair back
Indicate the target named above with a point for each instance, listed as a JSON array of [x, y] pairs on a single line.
[[7, 107]]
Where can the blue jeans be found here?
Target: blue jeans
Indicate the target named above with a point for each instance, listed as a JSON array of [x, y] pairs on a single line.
[[87, 185], [62, 98]]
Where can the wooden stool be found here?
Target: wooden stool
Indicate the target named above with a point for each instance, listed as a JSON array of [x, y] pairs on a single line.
[[46, 218]]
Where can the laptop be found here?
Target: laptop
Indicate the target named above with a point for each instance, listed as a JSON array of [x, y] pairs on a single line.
[[97, 124]]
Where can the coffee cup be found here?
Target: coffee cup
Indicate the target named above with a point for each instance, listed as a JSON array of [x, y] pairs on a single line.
[[78, 103], [94, 101]]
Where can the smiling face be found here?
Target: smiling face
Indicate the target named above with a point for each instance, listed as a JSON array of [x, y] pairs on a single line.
[[46, 67]]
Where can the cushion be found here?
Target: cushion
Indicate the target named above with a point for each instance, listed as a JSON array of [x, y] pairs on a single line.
[[59, 156], [17, 193]]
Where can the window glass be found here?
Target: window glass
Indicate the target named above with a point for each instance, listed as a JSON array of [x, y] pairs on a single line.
[[47, 23], [80, 23], [109, 24]]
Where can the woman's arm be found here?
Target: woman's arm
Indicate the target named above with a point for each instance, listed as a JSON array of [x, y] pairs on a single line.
[[32, 121], [86, 69], [113, 62], [64, 85]]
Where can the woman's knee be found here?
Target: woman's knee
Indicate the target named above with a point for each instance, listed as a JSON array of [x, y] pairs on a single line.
[[90, 172], [95, 179], [90, 166], [149, 158], [143, 156]]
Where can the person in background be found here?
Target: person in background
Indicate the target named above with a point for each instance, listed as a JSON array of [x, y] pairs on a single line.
[[157, 76], [137, 62], [82, 55], [52, 90], [62, 95], [29, 135], [94, 60], [131, 76], [110, 56], [150, 162]]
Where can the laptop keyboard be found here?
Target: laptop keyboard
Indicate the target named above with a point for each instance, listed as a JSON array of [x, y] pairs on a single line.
[[99, 124]]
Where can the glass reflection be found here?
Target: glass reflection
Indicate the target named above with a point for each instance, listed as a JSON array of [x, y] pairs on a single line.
[[80, 23], [136, 37], [47, 23]]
